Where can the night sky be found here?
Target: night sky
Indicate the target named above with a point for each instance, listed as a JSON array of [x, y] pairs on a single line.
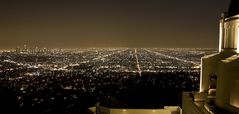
[[110, 23]]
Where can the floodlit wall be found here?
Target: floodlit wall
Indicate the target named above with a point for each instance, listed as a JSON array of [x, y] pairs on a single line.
[[231, 33], [166, 110], [234, 98], [227, 88], [210, 66]]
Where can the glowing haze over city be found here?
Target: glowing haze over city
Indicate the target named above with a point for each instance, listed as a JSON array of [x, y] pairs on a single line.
[[110, 23]]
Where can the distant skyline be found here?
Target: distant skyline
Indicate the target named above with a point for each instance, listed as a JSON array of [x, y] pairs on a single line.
[[110, 23]]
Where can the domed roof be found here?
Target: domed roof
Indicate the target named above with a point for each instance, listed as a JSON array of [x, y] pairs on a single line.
[[234, 8]]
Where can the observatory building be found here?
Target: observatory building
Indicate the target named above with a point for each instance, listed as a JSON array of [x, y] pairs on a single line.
[[219, 82]]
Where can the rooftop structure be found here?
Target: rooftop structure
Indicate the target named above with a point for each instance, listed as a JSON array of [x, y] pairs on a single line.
[[219, 82]]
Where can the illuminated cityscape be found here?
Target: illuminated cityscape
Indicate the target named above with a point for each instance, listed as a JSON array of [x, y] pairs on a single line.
[[47, 80], [119, 57]]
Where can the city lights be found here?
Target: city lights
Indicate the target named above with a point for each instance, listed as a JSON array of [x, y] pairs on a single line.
[[47, 76]]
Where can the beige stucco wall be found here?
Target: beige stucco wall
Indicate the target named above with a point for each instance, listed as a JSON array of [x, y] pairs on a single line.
[[209, 66], [168, 110], [228, 74]]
